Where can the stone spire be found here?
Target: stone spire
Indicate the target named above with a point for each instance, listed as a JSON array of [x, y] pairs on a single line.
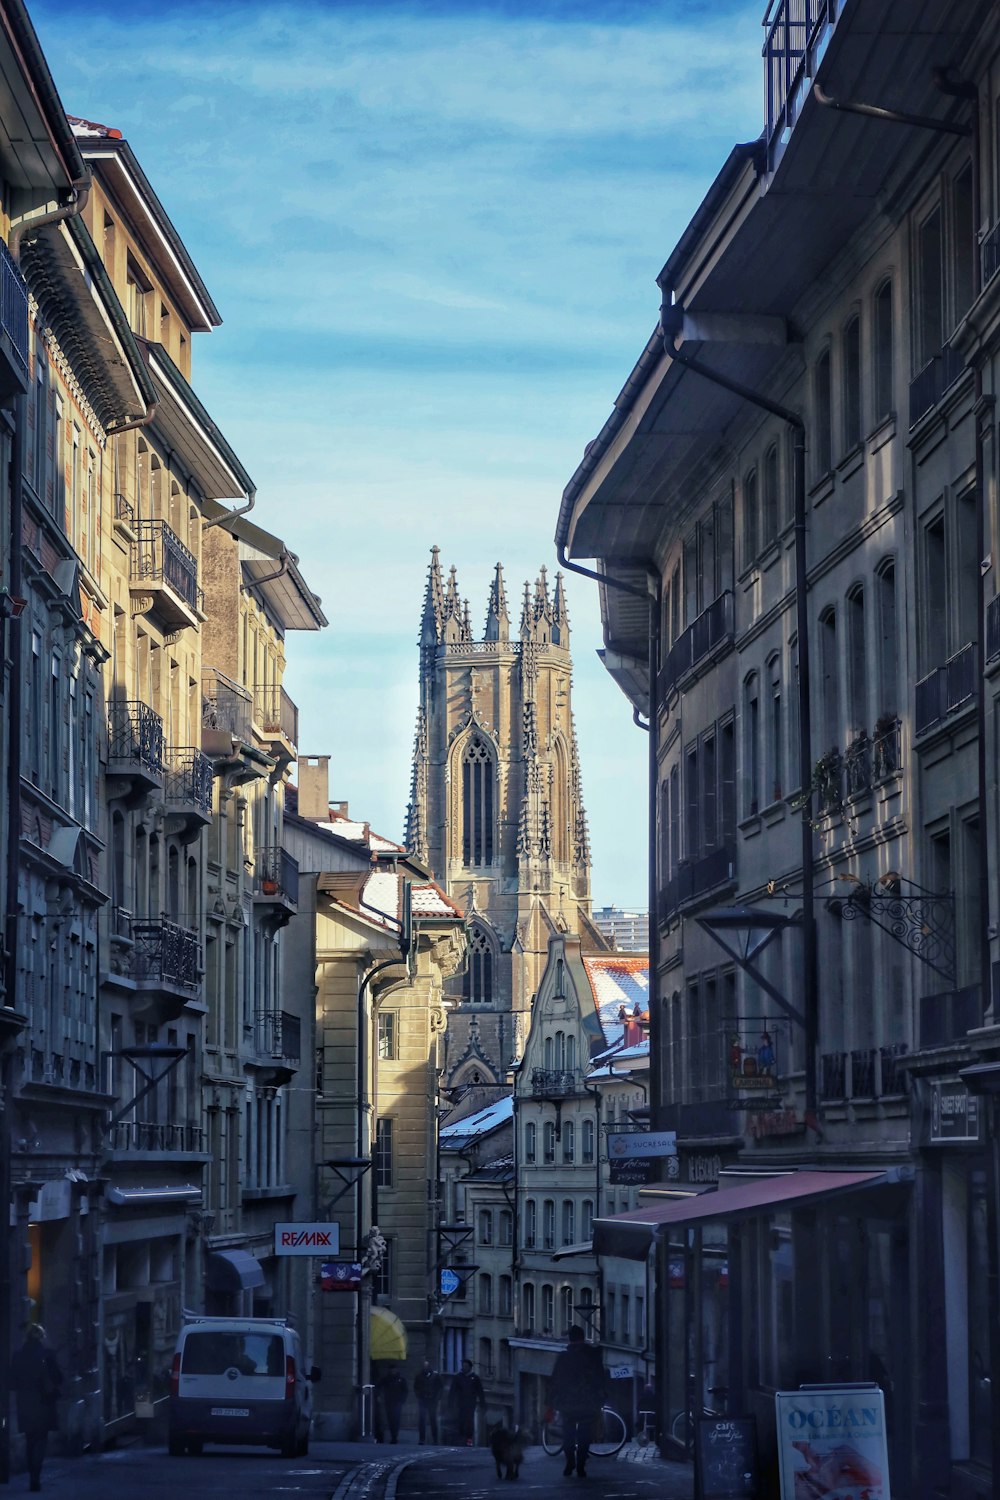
[[560, 615], [527, 615], [432, 620], [497, 618]]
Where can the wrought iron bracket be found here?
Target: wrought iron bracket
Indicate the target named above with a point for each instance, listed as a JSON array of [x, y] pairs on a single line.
[[921, 921]]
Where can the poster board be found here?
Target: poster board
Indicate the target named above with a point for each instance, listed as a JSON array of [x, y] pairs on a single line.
[[725, 1457], [832, 1442]]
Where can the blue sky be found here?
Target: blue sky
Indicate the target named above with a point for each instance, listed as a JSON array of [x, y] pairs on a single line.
[[433, 233]]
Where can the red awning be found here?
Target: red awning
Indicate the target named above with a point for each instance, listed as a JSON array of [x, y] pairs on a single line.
[[630, 1235]]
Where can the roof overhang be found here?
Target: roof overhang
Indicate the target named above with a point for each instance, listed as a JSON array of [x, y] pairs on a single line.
[[189, 432], [39, 157], [274, 571]]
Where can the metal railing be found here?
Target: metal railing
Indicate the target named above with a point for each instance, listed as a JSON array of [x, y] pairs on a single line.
[[863, 1082], [894, 1078], [929, 384], [152, 1135], [990, 251], [858, 765], [124, 511], [224, 704], [135, 734], [275, 713], [833, 1075], [163, 952], [159, 556], [554, 1083], [188, 778], [276, 873], [14, 306], [792, 28], [949, 1014], [278, 1035], [887, 754], [708, 631], [947, 689]]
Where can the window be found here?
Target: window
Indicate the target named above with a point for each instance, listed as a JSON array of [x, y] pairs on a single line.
[[884, 363], [626, 1318], [640, 1319], [929, 289], [477, 802], [387, 1036], [565, 1309], [486, 1356], [568, 1221], [568, 1141], [771, 512], [750, 518], [776, 730], [528, 1307], [587, 1219], [852, 384], [708, 567], [530, 1224], [549, 1142], [857, 662], [479, 973], [506, 1227], [823, 423], [548, 1225], [830, 680], [587, 1140], [506, 1299], [485, 1293], [486, 1226], [137, 288], [548, 1309], [530, 1139], [383, 1153], [751, 746], [888, 645], [611, 1313], [964, 247], [383, 1277]]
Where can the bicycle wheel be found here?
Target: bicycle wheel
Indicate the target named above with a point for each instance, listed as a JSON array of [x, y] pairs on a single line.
[[552, 1437], [609, 1435], [680, 1428]]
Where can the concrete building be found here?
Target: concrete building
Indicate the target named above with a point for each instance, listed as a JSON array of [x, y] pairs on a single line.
[[623, 929], [796, 504]]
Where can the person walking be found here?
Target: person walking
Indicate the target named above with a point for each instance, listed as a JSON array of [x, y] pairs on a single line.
[[577, 1393], [36, 1381], [393, 1389], [466, 1394], [427, 1389]]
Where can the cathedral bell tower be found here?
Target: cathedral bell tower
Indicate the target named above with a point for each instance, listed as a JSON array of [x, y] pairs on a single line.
[[496, 808]]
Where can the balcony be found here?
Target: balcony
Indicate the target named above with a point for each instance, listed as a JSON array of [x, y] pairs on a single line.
[[993, 629], [695, 878], [863, 1073], [276, 883], [157, 964], [555, 1083], [947, 689], [795, 30], [135, 749], [152, 1140], [277, 719], [931, 383], [278, 1042], [187, 791], [13, 328], [226, 710], [948, 1015], [163, 577], [707, 635]]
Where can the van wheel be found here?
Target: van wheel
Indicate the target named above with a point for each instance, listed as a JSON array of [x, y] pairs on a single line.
[[175, 1447], [289, 1447]]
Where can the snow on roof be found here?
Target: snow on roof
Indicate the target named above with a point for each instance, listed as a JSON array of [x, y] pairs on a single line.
[[618, 979], [430, 901], [84, 129], [480, 1123]]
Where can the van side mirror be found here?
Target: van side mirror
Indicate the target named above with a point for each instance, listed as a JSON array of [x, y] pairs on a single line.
[[315, 1374]]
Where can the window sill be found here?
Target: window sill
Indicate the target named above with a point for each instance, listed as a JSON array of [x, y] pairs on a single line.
[[775, 812], [851, 461], [769, 557], [882, 434], [750, 826], [823, 488]]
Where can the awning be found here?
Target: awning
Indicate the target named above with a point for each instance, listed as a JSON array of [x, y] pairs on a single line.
[[630, 1235], [123, 1197], [233, 1271], [388, 1335], [583, 1247]]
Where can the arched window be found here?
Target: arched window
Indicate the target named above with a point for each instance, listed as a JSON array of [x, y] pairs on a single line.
[[479, 973], [565, 1309], [587, 1130], [530, 1224], [884, 373], [751, 520], [568, 1221], [570, 1053], [851, 376], [569, 1141], [775, 731], [823, 409], [549, 1141], [530, 1139], [771, 508], [548, 1309], [829, 680], [888, 690], [751, 746], [549, 1224], [528, 1308], [587, 1223], [477, 802], [857, 663]]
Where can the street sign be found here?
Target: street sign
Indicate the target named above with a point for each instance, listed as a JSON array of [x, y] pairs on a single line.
[[340, 1276], [307, 1239], [449, 1282]]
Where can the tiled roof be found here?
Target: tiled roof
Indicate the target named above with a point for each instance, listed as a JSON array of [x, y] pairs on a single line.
[[618, 979], [479, 1123]]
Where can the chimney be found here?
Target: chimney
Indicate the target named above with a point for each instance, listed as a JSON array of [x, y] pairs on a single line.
[[314, 787]]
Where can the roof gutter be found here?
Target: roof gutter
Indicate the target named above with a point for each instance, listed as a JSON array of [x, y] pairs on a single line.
[[36, 73]]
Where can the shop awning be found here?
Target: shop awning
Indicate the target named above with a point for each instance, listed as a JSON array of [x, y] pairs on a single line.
[[582, 1247], [233, 1271], [123, 1197], [388, 1335], [629, 1236]]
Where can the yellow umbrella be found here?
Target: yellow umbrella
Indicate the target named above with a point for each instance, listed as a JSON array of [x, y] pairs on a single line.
[[388, 1335]]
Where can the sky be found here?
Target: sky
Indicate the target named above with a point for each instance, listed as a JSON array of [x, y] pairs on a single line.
[[433, 233]]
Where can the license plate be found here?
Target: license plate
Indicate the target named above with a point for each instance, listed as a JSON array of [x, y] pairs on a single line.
[[230, 1411]]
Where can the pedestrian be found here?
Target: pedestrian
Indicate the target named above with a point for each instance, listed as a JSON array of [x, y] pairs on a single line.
[[36, 1381], [578, 1383], [466, 1394], [393, 1389], [427, 1389]]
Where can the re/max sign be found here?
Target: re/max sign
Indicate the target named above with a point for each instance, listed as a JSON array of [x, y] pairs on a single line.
[[307, 1239]]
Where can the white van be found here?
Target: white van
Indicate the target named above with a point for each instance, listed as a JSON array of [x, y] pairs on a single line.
[[239, 1380]]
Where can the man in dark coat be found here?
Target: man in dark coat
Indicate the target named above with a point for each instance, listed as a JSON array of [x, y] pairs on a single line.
[[393, 1388], [577, 1393], [427, 1389], [466, 1394], [36, 1381]]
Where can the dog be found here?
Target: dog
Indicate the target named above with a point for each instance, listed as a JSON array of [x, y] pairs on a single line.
[[508, 1450]]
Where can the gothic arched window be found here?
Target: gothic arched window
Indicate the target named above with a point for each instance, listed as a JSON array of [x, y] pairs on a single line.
[[477, 802], [479, 974]]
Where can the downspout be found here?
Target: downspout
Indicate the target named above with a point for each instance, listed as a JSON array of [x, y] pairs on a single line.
[[77, 196], [671, 318], [232, 515]]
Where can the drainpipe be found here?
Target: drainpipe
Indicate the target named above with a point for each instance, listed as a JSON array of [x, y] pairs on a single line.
[[152, 407], [76, 202], [232, 515], [671, 317]]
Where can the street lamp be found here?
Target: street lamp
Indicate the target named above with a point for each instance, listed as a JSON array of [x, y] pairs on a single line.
[[153, 1053]]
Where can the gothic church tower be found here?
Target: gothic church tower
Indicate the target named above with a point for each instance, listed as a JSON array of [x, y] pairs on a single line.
[[496, 809]]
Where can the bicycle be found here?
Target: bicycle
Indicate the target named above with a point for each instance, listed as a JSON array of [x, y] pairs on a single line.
[[683, 1424], [608, 1441]]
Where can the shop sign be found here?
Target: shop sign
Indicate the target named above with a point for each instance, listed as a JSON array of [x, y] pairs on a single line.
[[704, 1167], [774, 1122], [832, 1441], [631, 1171], [340, 1275], [620, 1372], [954, 1112], [628, 1143], [306, 1239], [752, 1063]]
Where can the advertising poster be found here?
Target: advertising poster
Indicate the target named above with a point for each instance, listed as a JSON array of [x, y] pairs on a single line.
[[832, 1443]]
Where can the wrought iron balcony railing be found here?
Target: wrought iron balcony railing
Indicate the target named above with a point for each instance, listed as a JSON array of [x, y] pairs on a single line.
[[887, 756], [160, 557], [711, 629], [162, 952], [278, 1035], [948, 1015], [833, 1075], [695, 877], [188, 778], [275, 713], [931, 383], [14, 307], [947, 689], [793, 29], [124, 512], [276, 874], [135, 735], [554, 1083], [224, 704], [153, 1135], [894, 1078]]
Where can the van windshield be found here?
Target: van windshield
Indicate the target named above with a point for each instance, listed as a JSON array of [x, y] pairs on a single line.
[[211, 1353]]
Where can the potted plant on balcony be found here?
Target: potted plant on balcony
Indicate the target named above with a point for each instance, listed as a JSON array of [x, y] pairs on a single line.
[[269, 885]]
